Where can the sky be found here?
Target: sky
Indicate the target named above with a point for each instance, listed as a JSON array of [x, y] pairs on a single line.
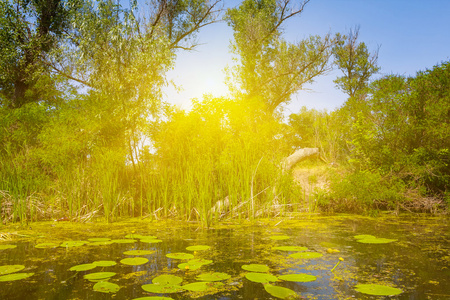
[[411, 36]]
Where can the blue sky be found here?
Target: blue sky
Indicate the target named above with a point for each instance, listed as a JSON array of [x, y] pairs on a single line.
[[412, 35]]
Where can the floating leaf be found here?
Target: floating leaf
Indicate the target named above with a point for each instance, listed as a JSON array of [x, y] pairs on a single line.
[[260, 277], [138, 252], [297, 277], [100, 243], [10, 269], [134, 261], [15, 276], [188, 266], [306, 255], [69, 244], [279, 237], [124, 241], [217, 276], [7, 246], [153, 298], [99, 275], [364, 236], [180, 255], [279, 292], [198, 248], [106, 287], [167, 280], [255, 268], [46, 245], [104, 263], [376, 241], [99, 239], [201, 286], [151, 241], [83, 267], [377, 289], [161, 289], [290, 248]]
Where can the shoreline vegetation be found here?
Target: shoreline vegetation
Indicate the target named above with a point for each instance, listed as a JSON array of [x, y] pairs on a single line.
[[85, 132]]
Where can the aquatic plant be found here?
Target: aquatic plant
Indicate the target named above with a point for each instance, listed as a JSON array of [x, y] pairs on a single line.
[[260, 277], [280, 292], [139, 252], [198, 248], [306, 255], [106, 287], [216, 276], [99, 276], [134, 261], [10, 269], [201, 286], [377, 290], [83, 267], [370, 239], [46, 245], [180, 255], [298, 277], [290, 248], [255, 268], [340, 259], [164, 284], [7, 246], [104, 263], [15, 276]]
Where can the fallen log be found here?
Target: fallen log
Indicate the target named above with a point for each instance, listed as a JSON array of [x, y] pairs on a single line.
[[297, 156]]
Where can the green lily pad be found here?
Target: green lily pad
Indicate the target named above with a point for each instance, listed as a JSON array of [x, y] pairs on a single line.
[[216, 276], [364, 236], [260, 277], [46, 245], [138, 252], [280, 292], [106, 287], [99, 239], [306, 255], [188, 266], [83, 267], [376, 241], [201, 286], [124, 241], [104, 263], [15, 276], [99, 275], [297, 277], [103, 243], [161, 289], [134, 261], [198, 248], [10, 269], [167, 280], [255, 268], [279, 237], [290, 248], [70, 244], [153, 298], [151, 241], [377, 289], [180, 255], [7, 246]]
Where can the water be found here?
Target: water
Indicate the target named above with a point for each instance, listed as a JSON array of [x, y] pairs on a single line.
[[417, 263]]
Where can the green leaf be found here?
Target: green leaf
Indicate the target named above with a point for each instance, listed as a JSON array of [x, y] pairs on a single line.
[[306, 255], [364, 236], [180, 255], [3, 247], [69, 244], [138, 252], [104, 263], [377, 290], [290, 248], [280, 292], [376, 241], [255, 268], [106, 287], [297, 277], [216, 276], [99, 239], [83, 267], [161, 289], [201, 286], [167, 280], [10, 269], [260, 277], [151, 241], [198, 248], [153, 298], [15, 276], [134, 261], [99, 275]]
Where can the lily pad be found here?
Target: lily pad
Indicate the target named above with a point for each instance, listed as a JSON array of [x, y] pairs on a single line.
[[100, 243], [151, 241], [216, 276], [306, 255], [290, 248], [106, 287], [124, 241], [167, 280], [70, 244], [188, 266], [10, 269], [161, 289], [99, 239], [260, 277], [255, 268], [376, 241], [138, 252], [198, 248], [180, 255], [83, 267], [377, 289], [99, 275], [280, 292], [201, 286], [279, 237], [15, 276], [364, 236], [134, 261], [46, 245], [153, 298], [7, 246], [104, 263], [297, 277]]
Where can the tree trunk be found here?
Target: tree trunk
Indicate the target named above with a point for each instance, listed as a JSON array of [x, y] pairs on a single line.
[[297, 156]]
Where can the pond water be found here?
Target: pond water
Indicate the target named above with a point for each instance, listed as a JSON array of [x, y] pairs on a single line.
[[411, 254]]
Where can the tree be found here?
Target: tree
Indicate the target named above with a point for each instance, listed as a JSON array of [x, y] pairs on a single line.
[[269, 68]]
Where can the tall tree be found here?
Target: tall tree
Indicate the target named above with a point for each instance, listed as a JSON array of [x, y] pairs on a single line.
[[269, 68]]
